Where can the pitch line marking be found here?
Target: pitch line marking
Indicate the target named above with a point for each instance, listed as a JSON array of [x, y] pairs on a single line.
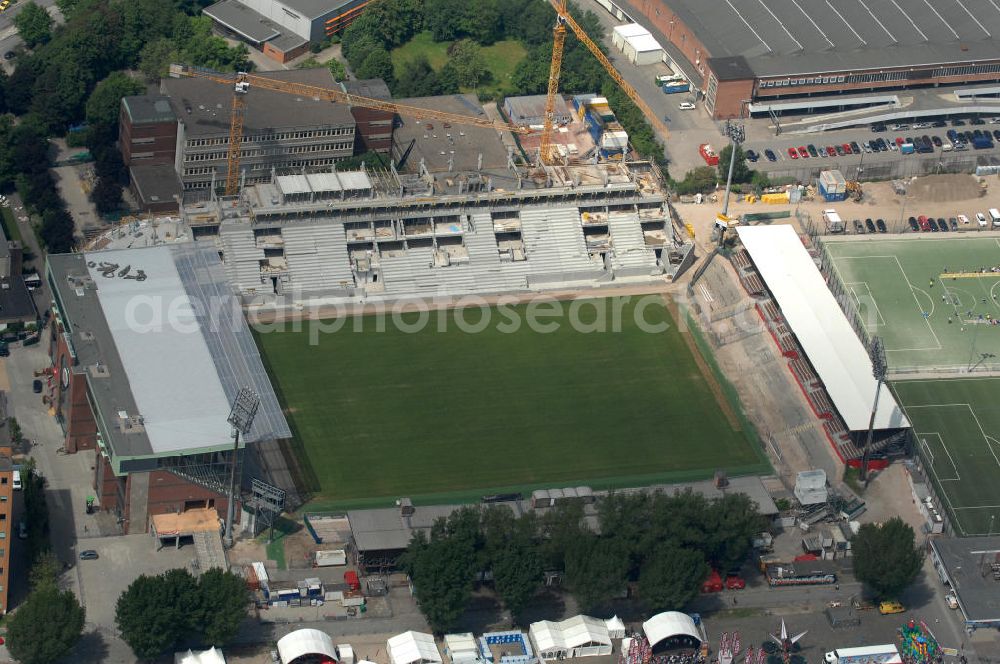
[[871, 298], [958, 476], [978, 507]]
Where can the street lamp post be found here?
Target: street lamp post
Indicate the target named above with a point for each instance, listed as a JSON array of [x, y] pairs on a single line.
[[879, 370]]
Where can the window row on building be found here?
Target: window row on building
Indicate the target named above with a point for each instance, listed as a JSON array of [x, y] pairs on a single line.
[[284, 136], [884, 76], [250, 154], [253, 179]]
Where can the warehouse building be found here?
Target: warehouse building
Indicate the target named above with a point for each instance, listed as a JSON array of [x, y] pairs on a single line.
[[971, 567], [149, 350], [530, 110], [283, 29], [815, 49], [281, 132]]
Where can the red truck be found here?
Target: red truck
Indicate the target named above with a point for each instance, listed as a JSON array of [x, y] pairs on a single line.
[[713, 584], [708, 154]]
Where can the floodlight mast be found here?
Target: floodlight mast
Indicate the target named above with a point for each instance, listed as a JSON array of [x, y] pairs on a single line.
[[241, 418], [879, 370]]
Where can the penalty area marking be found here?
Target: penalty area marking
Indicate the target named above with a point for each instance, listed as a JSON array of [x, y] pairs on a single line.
[[927, 448]]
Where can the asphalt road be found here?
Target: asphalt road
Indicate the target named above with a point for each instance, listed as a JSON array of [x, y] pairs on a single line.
[[9, 39]]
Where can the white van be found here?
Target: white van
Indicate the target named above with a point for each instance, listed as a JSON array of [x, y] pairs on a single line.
[[995, 216], [17, 480], [981, 220]]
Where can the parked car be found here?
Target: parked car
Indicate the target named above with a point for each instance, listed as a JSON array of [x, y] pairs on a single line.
[[9, 55], [858, 226], [89, 554], [813, 152], [870, 225], [751, 156], [855, 148], [942, 225], [932, 224], [958, 122], [876, 128], [952, 135], [981, 220], [996, 134], [951, 600], [22, 530], [914, 226], [953, 222], [805, 153], [962, 219], [977, 121], [923, 223], [831, 151], [735, 582], [793, 153], [880, 225], [840, 150], [940, 123], [686, 106], [36, 386], [890, 607], [770, 155], [846, 147], [936, 140]]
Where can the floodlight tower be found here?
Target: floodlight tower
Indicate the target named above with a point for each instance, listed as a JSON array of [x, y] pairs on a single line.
[[876, 352], [736, 134], [241, 418]]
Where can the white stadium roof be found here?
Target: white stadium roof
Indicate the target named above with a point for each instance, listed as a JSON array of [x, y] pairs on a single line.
[[669, 624], [820, 326], [410, 647], [305, 642]]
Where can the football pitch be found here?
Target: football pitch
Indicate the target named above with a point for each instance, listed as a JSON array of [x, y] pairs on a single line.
[[957, 426], [452, 415], [925, 321]]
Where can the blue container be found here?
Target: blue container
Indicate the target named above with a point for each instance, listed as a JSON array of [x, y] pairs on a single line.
[[671, 88]]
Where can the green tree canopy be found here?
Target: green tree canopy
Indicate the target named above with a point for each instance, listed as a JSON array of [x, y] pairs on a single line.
[[223, 604], [741, 170], [337, 70], [34, 24], [46, 626], [442, 569], [466, 64], [105, 100], [106, 195], [596, 570], [155, 612], [671, 578], [886, 558], [377, 64], [418, 79]]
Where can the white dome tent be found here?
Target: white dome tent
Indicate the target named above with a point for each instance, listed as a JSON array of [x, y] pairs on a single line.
[[304, 643], [671, 629]]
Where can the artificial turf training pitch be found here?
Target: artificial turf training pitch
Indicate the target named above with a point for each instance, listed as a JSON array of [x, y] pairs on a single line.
[[957, 426], [924, 321], [454, 415]]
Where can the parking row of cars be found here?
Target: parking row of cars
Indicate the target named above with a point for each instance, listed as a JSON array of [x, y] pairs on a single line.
[[870, 226], [807, 151], [926, 224]]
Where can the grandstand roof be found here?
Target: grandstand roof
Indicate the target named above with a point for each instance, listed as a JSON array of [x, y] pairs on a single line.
[[822, 329], [164, 354]]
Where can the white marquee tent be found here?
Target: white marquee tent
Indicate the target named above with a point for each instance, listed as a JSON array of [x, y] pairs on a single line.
[[669, 625], [461, 647], [303, 642], [210, 656], [413, 648], [579, 636]]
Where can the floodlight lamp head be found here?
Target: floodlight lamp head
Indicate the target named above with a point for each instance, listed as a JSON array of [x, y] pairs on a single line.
[[244, 409]]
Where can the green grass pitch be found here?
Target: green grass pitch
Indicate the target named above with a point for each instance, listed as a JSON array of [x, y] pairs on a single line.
[[957, 425], [455, 415], [924, 325]]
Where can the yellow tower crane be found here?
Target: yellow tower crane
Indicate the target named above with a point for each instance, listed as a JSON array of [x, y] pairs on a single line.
[[563, 19], [242, 83]]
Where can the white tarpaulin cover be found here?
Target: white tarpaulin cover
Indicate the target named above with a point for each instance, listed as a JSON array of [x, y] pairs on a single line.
[[669, 624], [820, 326], [210, 656], [410, 647], [305, 642]]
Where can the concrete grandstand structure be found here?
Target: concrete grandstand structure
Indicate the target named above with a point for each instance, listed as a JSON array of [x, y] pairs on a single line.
[[150, 393], [384, 235], [769, 50]]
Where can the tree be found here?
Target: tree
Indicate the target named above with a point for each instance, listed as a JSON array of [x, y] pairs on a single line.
[[34, 25], [337, 70], [377, 64], [561, 528], [107, 195], [418, 79], [67, 7], [45, 572], [105, 100], [46, 627], [223, 603], [730, 524], [442, 569], [57, 230], [885, 557], [596, 569], [671, 577], [155, 612], [741, 171], [466, 64], [700, 179], [517, 574], [155, 58]]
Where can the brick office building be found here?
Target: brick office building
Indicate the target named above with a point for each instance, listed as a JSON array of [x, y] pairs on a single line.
[[815, 49], [147, 138], [147, 386], [374, 127]]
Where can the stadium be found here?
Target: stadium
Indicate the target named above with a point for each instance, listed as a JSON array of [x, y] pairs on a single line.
[[773, 56]]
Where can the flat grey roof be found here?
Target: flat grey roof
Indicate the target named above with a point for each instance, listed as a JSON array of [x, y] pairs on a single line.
[[156, 183], [967, 565], [287, 41], [242, 20], [203, 106], [172, 349], [15, 298], [143, 109], [462, 143], [784, 37], [317, 8], [373, 88]]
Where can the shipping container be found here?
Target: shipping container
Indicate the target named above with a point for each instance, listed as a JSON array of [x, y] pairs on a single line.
[[676, 86]]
